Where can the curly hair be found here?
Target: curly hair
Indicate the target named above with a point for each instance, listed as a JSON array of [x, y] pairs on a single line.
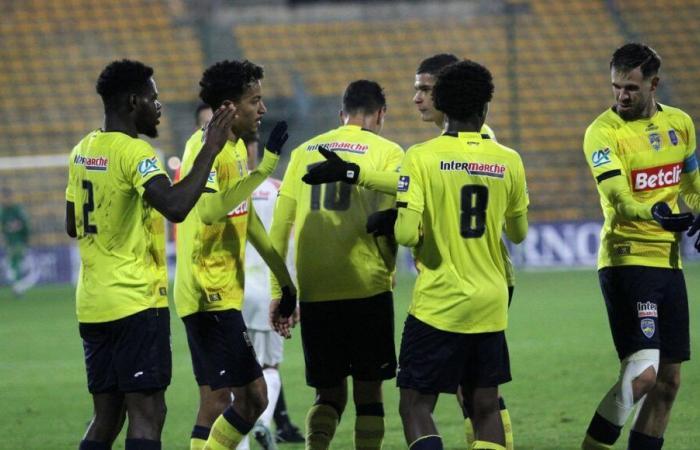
[[462, 89], [363, 96], [433, 64], [227, 80], [633, 55], [122, 77]]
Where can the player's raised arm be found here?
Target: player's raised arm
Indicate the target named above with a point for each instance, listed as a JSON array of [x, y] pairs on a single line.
[[215, 205], [175, 201]]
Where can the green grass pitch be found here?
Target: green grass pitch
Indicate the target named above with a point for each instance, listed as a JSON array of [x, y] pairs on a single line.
[[561, 352]]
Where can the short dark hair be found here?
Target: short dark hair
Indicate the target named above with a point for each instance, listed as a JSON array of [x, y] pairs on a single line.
[[435, 63], [462, 89], [122, 77], [227, 80], [363, 96], [633, 55]]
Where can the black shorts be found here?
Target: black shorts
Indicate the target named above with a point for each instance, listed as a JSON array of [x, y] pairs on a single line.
[[434, 361], [348, 337], [131, 354], [222, 353], [647, 309]]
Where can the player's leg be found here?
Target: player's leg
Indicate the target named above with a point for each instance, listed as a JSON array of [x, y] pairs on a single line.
[[286, 431], [233, 364], [325, 343], [144, 368], [633, 324], [372, 360], [486, 366], [268, 346], [108, 402], [654, 414], [416, 412]]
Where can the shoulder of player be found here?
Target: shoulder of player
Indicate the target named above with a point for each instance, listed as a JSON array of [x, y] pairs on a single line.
[[672, 112], [382, 142], [606, 122]]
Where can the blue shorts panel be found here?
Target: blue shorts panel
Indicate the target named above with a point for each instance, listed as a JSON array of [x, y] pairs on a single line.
[[131, 354], [433, 361], [344, 338], [647, 309], [222, 353]]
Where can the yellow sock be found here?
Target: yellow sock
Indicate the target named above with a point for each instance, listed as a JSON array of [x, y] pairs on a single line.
[[321, 422], [197, 444], [468, 431], [369, 432], [591, 444], [507, 428], [484, 445], [223, 436]]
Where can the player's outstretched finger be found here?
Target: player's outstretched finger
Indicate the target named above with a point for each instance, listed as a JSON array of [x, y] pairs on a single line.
[[326, 153]]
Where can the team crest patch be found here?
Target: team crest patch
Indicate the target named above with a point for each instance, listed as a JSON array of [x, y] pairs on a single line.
[[648, 327], [655, 141], [404, 181], [600, 157], [148, 166], [673, 136]]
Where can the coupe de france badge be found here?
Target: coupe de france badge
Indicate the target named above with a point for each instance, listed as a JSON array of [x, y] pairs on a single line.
[[404, 180], [655, 141], [648, 327], [673, 136], [148, 166]]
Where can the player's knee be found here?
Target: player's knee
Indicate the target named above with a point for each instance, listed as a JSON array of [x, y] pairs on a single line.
[[668, 385], [644, 383], [484, 405]]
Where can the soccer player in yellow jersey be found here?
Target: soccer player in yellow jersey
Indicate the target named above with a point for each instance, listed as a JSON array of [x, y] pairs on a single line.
[[344, 274], [425, 80], [210, 263], [456, 194], [642, 155], [116, 191]]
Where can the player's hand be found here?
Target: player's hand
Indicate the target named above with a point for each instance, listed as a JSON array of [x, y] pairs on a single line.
[[217, 130], [381, 223], [694, 229], [283, 325], [278, 136], [333, 169], [669, 221]]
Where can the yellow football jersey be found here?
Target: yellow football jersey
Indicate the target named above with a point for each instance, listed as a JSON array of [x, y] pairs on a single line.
[[464, 185], [651, 154], [209, 273], [335, 256], [120, 237]]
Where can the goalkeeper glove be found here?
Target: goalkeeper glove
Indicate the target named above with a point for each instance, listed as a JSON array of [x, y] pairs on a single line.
[[694, 229], [670, 221], [333, 169], [288, 303], [278, 136], [381, 223]]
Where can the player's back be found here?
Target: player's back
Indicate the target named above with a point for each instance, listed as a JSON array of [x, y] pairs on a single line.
[[336, 258], [465, 185], [120, 237]]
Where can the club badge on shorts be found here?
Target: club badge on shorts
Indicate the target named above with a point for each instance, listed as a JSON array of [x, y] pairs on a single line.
[[648, 327]]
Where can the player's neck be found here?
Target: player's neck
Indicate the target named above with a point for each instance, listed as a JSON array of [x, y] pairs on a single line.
[[114, 123], [650, 109], [472, 125], [367, 122]]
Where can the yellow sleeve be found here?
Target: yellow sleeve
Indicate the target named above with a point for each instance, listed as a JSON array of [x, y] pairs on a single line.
[[607, 169], [410, 185], [140, 164], [262, 243], [519, 198], [516, 228], [407, 227], [281, 228], [690, 177], [385, 180], [70, 188], [213, 206]]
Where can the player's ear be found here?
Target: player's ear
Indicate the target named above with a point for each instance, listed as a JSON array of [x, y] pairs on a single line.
[[132, 102], [654, 83], [380, 115], [342, 116]]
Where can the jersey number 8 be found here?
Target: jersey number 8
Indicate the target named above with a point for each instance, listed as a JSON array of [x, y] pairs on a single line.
[[472, 220]]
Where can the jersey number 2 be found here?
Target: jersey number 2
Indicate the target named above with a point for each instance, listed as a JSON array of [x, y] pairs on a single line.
[[88, 207], [472, 220]]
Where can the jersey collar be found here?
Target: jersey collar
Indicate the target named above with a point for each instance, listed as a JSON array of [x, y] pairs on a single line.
[[467, 134]]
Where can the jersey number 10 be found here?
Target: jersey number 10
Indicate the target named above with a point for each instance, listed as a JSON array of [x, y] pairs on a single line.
[[472, 219]]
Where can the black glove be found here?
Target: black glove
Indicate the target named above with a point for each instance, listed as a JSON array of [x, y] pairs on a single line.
[[278, 136], [288, 303], [381, 223], [694, 229], [332, 170], [669, 221]]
